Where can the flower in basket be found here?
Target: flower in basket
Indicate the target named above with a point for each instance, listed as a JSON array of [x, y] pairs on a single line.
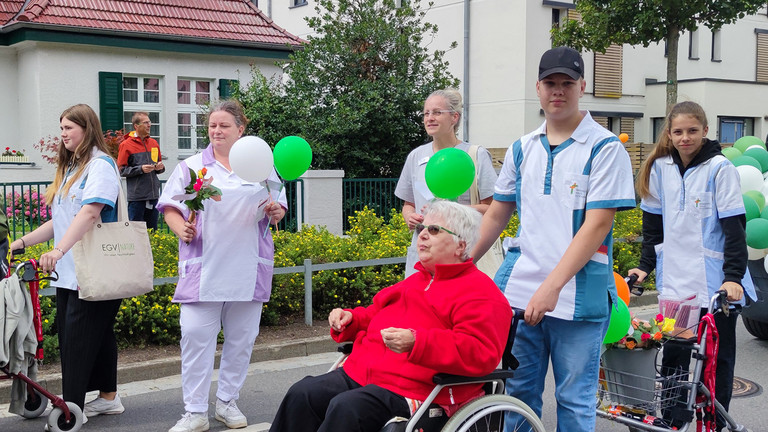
[[647, 334], [198, 190]]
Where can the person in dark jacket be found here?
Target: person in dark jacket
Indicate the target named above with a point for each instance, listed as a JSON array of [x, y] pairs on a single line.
[[140, 162], [693, 232]]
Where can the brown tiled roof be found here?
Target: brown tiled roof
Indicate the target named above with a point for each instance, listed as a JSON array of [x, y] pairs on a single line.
[[222, 20], [9, 8]]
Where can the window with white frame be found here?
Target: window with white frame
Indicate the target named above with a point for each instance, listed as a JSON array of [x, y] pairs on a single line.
[[693, 45], [191, 95], [298, 3], [716, 46], [142, 94]]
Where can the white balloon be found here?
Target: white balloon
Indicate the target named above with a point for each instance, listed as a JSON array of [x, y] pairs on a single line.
[[756, 254], [251, 159], [751, 178]]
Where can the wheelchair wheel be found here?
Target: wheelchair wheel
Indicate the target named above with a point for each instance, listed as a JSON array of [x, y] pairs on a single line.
[[487, 414]]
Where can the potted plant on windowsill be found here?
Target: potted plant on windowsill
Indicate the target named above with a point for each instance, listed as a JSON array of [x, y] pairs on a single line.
[[14, 156]]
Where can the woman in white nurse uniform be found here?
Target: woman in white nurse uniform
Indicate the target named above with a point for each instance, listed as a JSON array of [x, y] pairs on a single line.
[[225, 271]]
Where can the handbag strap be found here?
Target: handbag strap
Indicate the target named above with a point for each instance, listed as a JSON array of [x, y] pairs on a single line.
[[121, 202], [474, 191]]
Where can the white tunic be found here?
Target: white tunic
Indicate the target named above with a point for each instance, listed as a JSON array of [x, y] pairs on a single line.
[[690, 260]]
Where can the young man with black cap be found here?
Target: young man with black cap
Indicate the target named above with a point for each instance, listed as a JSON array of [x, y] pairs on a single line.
[[566, 179]]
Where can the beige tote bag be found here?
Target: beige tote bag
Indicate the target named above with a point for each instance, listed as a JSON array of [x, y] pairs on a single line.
[[491, 261], [114, 259]]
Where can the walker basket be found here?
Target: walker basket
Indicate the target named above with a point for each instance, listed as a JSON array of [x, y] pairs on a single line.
[[630, 380]]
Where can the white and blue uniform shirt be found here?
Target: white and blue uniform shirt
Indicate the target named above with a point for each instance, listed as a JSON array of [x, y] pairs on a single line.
[[691, 261], [99, 183], [553, 189]]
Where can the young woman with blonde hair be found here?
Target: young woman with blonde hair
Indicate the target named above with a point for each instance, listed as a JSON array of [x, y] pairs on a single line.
[[85, 188]]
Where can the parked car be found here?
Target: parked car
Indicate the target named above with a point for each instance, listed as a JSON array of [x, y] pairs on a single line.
[[755, 316]]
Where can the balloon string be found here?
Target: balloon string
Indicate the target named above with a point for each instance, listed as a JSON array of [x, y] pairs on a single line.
[[269, 219]]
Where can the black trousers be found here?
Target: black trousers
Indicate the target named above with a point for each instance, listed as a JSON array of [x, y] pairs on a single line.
[[334, 402], [87, 345], [679, 357]]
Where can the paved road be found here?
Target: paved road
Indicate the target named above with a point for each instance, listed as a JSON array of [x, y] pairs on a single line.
[[156, 405]]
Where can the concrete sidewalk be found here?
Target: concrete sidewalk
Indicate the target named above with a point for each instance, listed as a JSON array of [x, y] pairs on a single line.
[[160, 368]]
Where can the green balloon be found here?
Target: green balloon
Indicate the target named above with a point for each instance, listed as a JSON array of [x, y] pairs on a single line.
[[747, 160], [731, 153], [758, 197], [760, 155], [751, 207], [746, 142], [292, 155], [764, 213], [619, 323], [757, 233], [449, 173]]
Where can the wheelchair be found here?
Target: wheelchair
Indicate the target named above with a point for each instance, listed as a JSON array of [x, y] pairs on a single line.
[[484, 414]]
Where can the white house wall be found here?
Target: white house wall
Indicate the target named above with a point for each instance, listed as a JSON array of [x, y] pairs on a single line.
[[9, 95], [507, 38], [54, 77]]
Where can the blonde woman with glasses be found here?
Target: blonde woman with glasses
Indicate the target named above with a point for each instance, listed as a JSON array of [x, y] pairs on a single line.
[[442, 113]]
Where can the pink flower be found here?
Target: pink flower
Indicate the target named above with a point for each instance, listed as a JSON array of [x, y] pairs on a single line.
[[659, 318], [645, 337], [198, 185]]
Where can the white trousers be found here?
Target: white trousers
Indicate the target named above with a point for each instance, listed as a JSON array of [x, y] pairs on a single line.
[[200, 326]]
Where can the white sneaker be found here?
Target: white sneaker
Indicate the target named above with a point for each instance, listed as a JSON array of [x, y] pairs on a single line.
[[192, 422], [228, 413], [100, 406]]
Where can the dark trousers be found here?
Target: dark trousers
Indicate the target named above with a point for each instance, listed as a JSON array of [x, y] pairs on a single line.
[[87, 345], [138, 211], [334, 402], [679, 357]]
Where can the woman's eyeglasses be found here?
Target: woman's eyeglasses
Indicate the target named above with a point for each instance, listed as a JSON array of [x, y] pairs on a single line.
[[435, 113], [433, 229]]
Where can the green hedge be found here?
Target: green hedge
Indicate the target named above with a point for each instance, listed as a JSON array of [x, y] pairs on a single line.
[[153, 319]]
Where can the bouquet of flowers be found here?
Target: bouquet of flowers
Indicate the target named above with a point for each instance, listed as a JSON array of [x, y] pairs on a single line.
[[647, 334], [198, 190]]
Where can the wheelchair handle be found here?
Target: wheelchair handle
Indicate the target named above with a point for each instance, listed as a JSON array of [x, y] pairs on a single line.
[[519, 313]]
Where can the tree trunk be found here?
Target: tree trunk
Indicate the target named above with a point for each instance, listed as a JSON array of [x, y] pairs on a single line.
[[673, 39]]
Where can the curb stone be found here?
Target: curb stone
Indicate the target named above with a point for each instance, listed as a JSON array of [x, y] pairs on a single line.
[[647, 299], [159, 368]]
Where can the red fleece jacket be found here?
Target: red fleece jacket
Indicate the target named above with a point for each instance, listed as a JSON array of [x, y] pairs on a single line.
[[461, 321]]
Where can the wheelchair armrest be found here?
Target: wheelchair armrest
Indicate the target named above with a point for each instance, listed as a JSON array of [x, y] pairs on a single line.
[[345, 348], [448, 379]]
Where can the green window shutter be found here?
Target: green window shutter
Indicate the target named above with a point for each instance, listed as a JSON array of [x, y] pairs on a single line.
[[111, 100], [227, 88]]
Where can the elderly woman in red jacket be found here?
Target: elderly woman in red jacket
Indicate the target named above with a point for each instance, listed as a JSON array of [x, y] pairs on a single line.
[[449, 317]]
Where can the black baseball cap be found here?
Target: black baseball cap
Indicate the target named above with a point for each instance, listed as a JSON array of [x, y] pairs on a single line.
[[561, 60]]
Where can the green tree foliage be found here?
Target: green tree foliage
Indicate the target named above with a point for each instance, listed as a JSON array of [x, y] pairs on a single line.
[[642, 22], [356, 89]]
